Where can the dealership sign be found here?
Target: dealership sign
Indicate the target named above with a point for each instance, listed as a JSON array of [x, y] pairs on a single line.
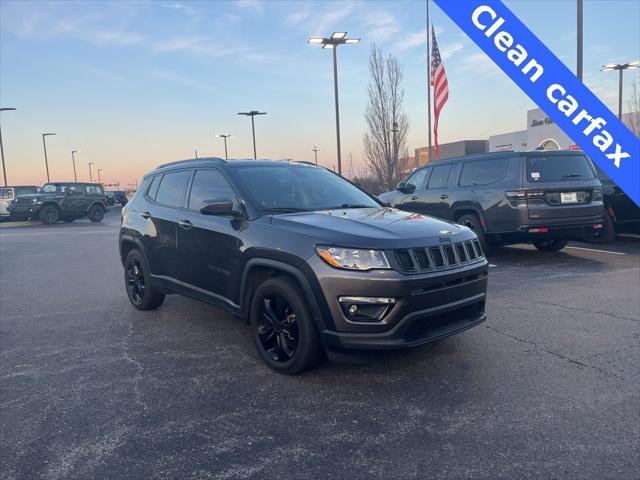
[[552, 86]]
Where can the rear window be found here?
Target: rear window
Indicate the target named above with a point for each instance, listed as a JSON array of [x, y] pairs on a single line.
[[482, 172], [93, 190], [559, 168]]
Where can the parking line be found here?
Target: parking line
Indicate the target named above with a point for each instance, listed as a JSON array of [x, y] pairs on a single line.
[[596, 250]]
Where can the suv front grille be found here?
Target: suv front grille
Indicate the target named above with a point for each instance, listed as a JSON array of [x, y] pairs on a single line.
[[24, 201], [441, 257]]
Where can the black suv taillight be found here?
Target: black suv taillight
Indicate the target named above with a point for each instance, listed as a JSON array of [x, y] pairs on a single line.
[[516, 198]]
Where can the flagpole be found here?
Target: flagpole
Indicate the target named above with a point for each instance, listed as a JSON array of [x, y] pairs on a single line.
[[428, 84]]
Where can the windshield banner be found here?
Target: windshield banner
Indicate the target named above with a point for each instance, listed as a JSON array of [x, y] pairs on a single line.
[[552, 86]]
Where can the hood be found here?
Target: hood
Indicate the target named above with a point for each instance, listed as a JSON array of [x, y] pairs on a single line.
[[38, 195], [372, 228]]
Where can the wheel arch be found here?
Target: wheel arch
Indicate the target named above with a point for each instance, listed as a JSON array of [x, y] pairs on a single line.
[[462, 210]]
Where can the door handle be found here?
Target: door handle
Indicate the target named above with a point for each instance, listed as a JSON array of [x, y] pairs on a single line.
[[186, 224], [444, 196], [145, 214], [414, 197]]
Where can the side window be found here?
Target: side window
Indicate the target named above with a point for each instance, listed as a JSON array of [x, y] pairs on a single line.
[[440, 176], [94, 190], [173, 187], [483, 172], [208, 185], [417, 178], [153, 188], [73, 189]]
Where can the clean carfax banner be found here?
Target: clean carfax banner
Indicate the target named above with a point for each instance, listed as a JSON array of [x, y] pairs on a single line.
[[552, 86]]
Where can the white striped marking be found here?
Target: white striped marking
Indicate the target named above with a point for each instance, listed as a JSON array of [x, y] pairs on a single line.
[[596, 250]]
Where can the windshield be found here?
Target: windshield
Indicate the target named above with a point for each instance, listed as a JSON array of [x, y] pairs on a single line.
[[6, 193], [559, 169], [49, 188], [290, 188]]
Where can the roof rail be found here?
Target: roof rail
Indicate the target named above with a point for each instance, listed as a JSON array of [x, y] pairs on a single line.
[[193, 160], [305, 162]]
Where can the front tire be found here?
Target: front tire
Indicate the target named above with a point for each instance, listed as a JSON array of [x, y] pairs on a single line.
[[284, 332], [49, 215], [473, 222], [553, 245], [141, 293], [96, 213], [606, 234]]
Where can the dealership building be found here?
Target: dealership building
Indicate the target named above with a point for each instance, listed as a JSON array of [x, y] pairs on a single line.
[[541, 133]]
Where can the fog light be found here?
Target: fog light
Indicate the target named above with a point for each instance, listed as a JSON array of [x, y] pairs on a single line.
[[366, 309]]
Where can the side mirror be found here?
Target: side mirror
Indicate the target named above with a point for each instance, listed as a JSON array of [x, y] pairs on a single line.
[[400, 187], [409, 188], [220, 207]]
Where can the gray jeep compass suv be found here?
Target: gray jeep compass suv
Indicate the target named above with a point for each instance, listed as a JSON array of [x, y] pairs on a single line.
[[311, 261]]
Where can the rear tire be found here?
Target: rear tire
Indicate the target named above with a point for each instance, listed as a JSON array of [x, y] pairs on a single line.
[[473, 222], [553, 245], [284, 332], [96, 213], [606, 234], [137, 282], [49, 215]]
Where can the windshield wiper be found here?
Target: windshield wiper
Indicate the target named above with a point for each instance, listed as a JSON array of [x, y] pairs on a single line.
[[351, 205], [284, 209], [571, 175]]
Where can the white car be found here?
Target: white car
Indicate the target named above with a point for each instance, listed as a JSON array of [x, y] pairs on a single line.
[[7, 194]]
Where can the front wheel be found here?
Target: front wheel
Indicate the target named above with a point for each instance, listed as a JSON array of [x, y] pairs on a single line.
[[284, 332], [49, 215], [96, 213], [550, 245], [141, 294]]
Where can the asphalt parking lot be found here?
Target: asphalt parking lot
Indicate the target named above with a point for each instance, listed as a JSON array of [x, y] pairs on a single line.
[[92, 388]]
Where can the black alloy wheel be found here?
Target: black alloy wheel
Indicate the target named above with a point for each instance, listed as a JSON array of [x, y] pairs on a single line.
[[284, 332], [96, 213], [277, 328], [49, 215], [141, 294]]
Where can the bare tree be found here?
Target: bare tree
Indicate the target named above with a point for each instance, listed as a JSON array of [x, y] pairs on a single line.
[[632, 119], [385, 140]]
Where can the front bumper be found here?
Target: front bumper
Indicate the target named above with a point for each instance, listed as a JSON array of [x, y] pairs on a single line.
[[23, 211], [427, 307]]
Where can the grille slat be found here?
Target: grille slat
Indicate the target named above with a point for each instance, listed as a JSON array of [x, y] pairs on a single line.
[[446, 256]]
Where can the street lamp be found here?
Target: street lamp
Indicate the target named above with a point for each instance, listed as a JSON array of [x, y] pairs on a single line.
[[227, 135], [252, 114], [620, 67], [44, 145], [73, 159], [99, 170], [337, 38], [4, 171], [315, 151], [90, 174]]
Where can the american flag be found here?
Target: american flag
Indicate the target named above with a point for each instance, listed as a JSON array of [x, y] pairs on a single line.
[[440, 86]]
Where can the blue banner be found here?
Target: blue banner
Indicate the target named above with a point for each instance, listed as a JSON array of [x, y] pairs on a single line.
[[552, 86]]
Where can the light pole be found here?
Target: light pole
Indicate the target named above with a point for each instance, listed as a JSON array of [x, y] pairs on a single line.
[[90, 174], [73, 159], [252, 114], [579, 36], [99, 170], [620, 67], [337, 38], [4, 171], [315, 151], [227, 135], [394, 153], [46, 161]]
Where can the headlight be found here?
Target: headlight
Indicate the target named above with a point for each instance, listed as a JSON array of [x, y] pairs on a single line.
[[34, 200], [352, 258]]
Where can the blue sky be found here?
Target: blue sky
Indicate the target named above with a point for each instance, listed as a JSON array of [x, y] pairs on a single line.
[[134, 84]]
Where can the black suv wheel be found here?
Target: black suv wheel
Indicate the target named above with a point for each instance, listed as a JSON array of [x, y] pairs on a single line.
[[96, 213], [49, 215], [550, 245], [136, 280], [284, 332], [606, 234]]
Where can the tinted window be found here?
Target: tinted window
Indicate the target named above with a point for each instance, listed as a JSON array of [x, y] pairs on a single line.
[[439, 176], [49, 188], [153, 189], [298, 187], [560, 168], [94, 190], [74, 189], [417, 179], [209, 185], [25, 190], [482, 172], [172, 188], [6, 193]]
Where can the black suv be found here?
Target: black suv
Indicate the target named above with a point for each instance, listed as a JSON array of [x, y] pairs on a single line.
[[116, 196], [543, 197], [311, 261], [66, 201]]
